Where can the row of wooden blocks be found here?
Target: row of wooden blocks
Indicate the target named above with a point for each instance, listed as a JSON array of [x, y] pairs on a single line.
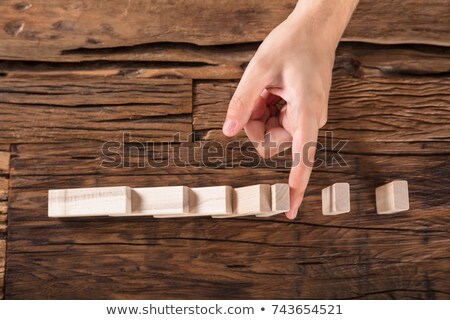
[[391, 198], [262, 200]]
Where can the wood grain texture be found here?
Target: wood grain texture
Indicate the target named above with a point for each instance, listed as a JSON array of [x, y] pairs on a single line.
[[381, 95], [66, 203], [363, 109], [48, 30], [2, 267], [165, 200], [4, 186], [358, 255], [76, 74], [180, 60], [56, 109]]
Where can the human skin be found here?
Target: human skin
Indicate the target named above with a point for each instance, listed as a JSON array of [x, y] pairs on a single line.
[[294, 63]]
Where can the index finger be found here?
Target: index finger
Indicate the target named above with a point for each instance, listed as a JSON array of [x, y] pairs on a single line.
[[304, 146], [245, 98]]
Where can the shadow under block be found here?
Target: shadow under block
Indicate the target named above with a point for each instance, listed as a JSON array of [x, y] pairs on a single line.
[[89, 202], [207, 201], [392, 197], [336, 199]]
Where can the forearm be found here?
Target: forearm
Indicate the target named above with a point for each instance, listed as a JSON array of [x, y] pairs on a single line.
[[326, 19]]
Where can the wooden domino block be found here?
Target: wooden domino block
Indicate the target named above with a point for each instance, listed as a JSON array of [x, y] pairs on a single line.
[[336, 199], [392, 197], [250, 200], [280, 199], [89, 202], [207, 201], [159, 201]]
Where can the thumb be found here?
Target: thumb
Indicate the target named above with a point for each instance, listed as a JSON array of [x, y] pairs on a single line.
[[244, 100]]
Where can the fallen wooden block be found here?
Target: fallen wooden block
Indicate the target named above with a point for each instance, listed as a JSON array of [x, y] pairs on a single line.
[[157, 201], [169, 202], [250, 200], [89, 202], [336, 199], [392, 197], [207, 201], [280, 199]]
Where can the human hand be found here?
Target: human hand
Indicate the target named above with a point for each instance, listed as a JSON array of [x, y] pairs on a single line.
[[294, 63]]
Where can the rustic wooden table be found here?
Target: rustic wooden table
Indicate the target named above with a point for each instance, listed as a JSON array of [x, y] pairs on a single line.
[[77, 74]]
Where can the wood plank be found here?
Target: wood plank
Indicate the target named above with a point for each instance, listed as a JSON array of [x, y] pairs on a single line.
[[4, 181], [2, 267], [3, 218], [93, 108], [181, 60], [4, 161], [154, 69], [358, 255], [4, 188], [50, 30]]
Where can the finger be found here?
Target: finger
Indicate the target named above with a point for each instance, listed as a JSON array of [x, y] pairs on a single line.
[[303, 151], [255, 130], [245, 98], [260, 110], [272, 122], [267, 143], [287, 120], [256, 126], [270, 98], [276, 139]]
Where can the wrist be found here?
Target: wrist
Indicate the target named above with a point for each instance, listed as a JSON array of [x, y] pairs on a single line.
[[325, 20]]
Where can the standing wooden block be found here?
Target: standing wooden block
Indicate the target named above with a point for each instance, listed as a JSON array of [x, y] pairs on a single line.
[[89, 202], [208, 201], [280, 199], [392, 197], [159, 201], [336, 199], [250, 200]]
